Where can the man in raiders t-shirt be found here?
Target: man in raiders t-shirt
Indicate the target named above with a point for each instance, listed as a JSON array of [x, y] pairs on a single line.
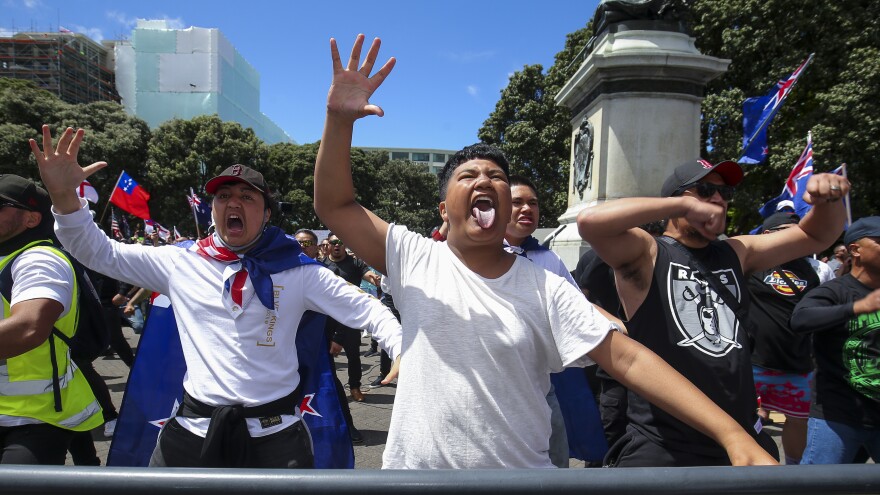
[[674, 311]]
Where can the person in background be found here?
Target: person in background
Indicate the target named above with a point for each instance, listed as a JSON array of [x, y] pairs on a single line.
[[782, 364], [843, 318]]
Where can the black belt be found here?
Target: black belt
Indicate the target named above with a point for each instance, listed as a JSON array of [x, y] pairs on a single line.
[[227, 439]]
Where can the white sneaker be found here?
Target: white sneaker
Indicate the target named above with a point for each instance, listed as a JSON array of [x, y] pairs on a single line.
[[109, 428]]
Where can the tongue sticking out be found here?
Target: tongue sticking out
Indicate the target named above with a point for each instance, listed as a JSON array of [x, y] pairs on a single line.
[[485, 217]]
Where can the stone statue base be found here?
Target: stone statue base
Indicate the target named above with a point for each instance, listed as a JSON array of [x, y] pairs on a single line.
[[640, 91]]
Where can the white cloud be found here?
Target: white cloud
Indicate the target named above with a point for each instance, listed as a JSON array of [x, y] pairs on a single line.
[[121, 18], [467, 56], [6, 33], [131, 21], [472, 89], [33, 4], [93, 33]]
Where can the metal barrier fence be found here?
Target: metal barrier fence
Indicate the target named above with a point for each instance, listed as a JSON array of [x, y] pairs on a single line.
[[826, 480]]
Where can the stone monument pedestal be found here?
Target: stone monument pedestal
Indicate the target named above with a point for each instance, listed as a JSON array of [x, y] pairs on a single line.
[[635, 106]]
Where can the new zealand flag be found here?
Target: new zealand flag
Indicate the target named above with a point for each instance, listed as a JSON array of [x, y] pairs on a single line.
[[152, 398]]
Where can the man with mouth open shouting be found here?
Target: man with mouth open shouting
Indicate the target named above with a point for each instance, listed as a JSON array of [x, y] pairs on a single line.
[[239, 296], [487, 325]]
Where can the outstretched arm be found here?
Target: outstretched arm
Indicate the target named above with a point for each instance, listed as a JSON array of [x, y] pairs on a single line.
[[60, 169], [335, 203], [815, 232], [635, 366]]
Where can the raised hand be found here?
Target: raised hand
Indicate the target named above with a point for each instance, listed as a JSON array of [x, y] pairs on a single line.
[[60, 169], [350, 92], [826, 188]]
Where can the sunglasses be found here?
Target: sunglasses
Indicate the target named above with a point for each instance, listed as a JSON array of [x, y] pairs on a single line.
[[306, 243], [707, 190], [335, 242], [10, 204]]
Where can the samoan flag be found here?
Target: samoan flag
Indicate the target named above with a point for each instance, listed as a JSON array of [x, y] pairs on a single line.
[[759, 111], [153, 398], [795, 185], [130, 196]]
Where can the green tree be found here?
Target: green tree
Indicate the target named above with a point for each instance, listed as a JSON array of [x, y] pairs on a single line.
[[184, 154], [407, 195], [837, 97], [24, 108], [535, 133], [112, 136]]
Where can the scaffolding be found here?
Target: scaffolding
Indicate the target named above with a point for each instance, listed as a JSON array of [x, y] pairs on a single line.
[[69, 65]]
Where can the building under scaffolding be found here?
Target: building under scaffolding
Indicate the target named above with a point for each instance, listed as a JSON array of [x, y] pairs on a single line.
[[69, 65]]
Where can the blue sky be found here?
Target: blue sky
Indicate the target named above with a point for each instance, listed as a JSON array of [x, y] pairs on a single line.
[[453, 57]]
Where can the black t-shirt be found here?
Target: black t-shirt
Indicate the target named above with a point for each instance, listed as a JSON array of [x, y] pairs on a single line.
[[847, 352], [349, 268], [774, 345], [688, 325]]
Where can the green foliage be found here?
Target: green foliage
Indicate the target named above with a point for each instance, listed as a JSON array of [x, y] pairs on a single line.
[[186, 153], [407, 195], [535, 133], [837, 98]]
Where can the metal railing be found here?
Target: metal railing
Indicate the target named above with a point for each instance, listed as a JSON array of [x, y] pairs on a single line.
[[831, 479]]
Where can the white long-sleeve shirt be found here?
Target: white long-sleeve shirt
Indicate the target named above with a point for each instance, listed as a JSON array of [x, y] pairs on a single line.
[[234, 355]]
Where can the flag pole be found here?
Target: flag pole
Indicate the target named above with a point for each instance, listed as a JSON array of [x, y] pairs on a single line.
[[847, 199], [764, 123], [195, 216], [104, 213]]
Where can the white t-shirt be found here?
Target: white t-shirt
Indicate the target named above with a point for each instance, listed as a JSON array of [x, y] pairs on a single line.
[[234, 354], [477, 354], [38, 274]]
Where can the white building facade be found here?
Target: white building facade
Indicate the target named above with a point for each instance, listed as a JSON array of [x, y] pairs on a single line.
[[164, 73]]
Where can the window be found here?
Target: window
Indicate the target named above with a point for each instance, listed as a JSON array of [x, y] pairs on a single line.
[[421, 157], [399, 155], [439, 158]]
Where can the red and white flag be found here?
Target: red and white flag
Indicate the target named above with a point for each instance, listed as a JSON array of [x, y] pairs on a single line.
[[87, 191]]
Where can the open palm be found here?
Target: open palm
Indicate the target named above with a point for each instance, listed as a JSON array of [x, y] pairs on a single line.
[[59, 167], [352, 87]]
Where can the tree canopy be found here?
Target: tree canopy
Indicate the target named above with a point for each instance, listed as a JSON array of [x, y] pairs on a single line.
[[837, 98]]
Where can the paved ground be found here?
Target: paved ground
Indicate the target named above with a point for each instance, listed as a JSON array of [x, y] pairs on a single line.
[[371, 417]]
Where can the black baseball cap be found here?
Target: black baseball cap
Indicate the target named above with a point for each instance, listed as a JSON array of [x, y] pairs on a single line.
[[863, 227], [779, 219], [692, 171], [238, 173], [24, 193]]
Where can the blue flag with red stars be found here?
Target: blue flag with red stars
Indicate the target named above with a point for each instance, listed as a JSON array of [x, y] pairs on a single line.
[[152, 398]]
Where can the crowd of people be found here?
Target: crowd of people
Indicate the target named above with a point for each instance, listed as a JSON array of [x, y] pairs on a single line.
[[688, 336]]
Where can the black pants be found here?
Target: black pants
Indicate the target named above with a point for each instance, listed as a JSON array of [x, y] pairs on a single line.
[[351, 343], [113, 318], [635, 450], [82, 449], [34, 444], [290, 448]]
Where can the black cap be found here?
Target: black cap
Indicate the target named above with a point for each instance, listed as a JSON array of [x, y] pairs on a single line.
[[863, 227], [692, 171], [238, 173], [779, 219], [24, 194]]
